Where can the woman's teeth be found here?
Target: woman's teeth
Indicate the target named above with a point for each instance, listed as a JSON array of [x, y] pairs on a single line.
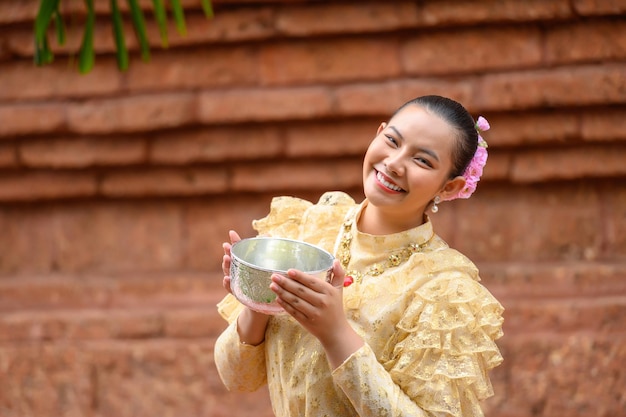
[[389, 185]]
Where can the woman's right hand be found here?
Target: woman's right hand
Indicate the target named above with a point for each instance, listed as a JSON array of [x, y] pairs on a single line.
[[234, 237]]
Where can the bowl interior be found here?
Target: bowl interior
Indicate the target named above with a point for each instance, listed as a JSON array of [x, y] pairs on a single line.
[[276, 254]]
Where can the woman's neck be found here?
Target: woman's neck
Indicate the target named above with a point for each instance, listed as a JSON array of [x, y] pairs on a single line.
[[376, 221]]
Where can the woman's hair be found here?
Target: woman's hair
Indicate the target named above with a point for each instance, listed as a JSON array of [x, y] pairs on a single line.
[[460, 120]]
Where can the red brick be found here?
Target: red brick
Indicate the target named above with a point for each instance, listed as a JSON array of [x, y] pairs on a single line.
[[20, 42], [613, 206], [8, 155], [576, 375], [166, 378], [189, 323], [471, 50], [604, 124], [264, 105], [337, 138], [99, 378], [533, 128], [575, 279], [599, 7], [167, 289], [164, 181], [45, 381], [18, 11], [498, 165], [50, 292], [455, 12], [23, 119], [216, 144], [121, 237], [233, 25], [80, 152], [382, 99], [567, 315], [132, 114], [581, 42], [46, 185], [333, 175], [331, 60], [543, 223], [316, 19], [569, 163], [73, 293], [80, 237], [133, 324], [586, 85], [215, 66], [208, 224], [24, 81]]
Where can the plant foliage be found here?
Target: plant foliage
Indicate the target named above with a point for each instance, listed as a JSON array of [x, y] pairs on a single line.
[[49, 11]]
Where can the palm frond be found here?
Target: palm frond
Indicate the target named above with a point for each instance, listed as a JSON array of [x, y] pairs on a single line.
[[49, 10]]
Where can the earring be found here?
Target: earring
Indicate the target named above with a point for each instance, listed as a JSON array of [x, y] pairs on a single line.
[[436, 201]]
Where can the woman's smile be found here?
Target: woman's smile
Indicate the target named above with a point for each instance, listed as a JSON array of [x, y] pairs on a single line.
[[387, 184]]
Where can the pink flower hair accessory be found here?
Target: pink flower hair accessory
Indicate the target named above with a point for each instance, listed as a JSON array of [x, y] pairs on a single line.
[[474, 170]]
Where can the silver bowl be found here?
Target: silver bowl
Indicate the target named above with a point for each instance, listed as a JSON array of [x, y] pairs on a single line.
[[254, 260]]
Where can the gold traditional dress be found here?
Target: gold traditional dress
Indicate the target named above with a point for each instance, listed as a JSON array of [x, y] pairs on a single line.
[[429, 326]]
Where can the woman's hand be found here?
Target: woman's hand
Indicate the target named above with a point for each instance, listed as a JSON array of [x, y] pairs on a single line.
[[318, 306], [234, 237], [251, 325]]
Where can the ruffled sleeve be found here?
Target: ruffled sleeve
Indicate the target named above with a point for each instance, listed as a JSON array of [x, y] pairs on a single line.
[[284, 218], [444, 344]]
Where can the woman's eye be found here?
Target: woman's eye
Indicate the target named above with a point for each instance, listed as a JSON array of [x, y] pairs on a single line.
[[392, 140], [423, 161]]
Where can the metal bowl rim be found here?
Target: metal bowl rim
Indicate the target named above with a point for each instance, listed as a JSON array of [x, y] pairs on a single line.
[[300, 242]]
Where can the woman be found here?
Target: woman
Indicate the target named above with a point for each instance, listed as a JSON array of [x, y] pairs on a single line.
[[414, 332]]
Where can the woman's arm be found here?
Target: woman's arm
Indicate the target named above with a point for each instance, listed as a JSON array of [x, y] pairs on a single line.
[[239, 351]]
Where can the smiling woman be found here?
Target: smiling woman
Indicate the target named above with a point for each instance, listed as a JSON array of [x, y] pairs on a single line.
[[51, 10], [413, 332]]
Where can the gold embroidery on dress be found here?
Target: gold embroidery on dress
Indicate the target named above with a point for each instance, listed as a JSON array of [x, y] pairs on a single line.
[[396, 258]]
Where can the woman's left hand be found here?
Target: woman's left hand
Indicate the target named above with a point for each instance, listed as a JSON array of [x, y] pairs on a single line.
[[318, 306]]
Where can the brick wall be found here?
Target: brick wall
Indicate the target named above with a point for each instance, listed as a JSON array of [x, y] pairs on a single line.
[[117, 189]]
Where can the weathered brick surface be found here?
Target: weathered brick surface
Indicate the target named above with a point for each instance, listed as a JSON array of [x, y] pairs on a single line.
[[21, 119], [471, 50], [329, 61], [81, 152], [129, 114], [216, 144], [595, 41], [578, 86], [264, 105], [117, 190], [599, 7]]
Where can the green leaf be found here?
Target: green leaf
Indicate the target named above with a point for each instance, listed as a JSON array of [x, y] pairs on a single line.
[[208, 8], [118, 35], [86, 56], [42, 21], [140, 29], [161, 18], [43, 54], [60, 27], [179, 17]]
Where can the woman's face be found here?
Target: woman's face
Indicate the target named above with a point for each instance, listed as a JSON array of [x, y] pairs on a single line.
[[409, 162]]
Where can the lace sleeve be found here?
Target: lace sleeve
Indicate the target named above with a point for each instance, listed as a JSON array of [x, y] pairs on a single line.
[[284, 218], [444, 345]]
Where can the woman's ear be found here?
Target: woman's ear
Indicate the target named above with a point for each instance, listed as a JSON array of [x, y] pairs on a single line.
[[382, 126], [452, 187]]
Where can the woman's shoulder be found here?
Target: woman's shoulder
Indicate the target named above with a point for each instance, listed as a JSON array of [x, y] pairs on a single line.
[[288, 215], [452, 278]]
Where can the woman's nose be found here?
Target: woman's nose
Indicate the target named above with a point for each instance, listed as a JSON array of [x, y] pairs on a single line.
[[394, 163]]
